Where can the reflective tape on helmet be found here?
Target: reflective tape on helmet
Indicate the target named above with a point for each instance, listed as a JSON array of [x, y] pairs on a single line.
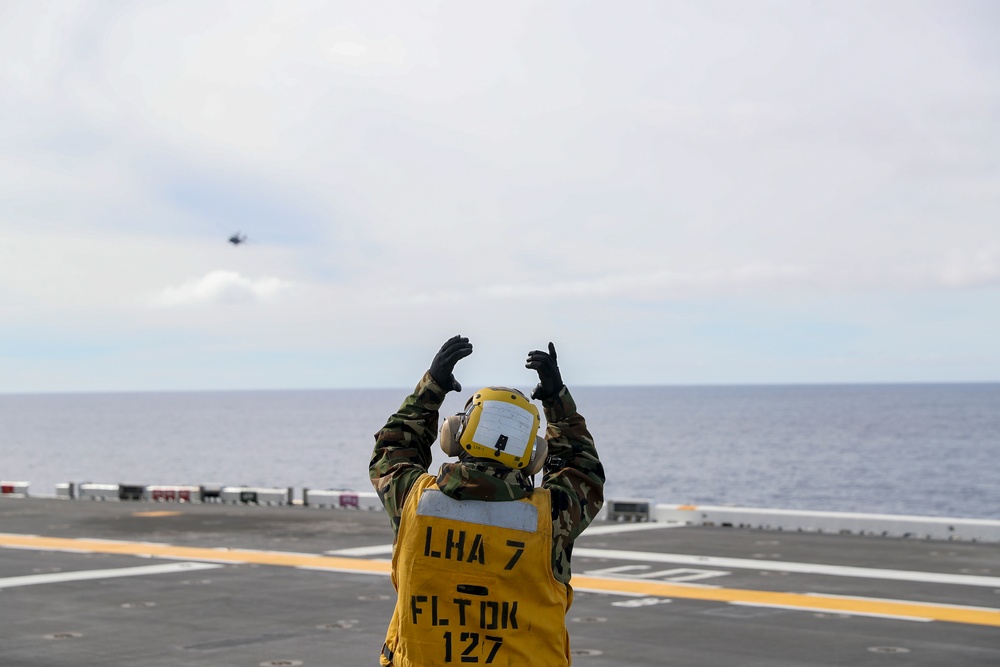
[[500, 424]]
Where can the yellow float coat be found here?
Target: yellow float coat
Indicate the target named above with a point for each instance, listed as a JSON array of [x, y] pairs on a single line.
[[475, 585]]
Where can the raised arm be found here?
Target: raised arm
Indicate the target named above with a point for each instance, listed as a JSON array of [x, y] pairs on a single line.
[[403, 446], [573, 473]]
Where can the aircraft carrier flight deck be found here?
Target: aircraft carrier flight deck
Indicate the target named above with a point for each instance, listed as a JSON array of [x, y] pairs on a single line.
[[168, 584]]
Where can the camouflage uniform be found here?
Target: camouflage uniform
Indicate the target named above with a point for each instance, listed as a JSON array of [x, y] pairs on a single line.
[[573, 473]]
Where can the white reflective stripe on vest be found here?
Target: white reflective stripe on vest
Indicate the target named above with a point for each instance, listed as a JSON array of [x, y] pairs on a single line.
[[512, 515]]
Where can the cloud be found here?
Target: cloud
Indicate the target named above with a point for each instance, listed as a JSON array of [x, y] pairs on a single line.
[[559, 166], [222, 287], [639, 286], [979, 269], [348, 45]]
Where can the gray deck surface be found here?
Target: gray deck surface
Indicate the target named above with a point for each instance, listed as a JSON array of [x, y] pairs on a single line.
[[258, 614]]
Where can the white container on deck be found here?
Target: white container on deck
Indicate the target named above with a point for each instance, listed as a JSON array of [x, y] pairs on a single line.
[[626, 509], [366, 500], [180, 494], [88, 491], [15, 489], [256, 495]]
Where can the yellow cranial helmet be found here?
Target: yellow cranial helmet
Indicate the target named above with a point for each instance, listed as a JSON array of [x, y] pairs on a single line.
[[499, 424]]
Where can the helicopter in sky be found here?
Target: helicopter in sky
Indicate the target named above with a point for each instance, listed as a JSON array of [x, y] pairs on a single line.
[[238, 238]]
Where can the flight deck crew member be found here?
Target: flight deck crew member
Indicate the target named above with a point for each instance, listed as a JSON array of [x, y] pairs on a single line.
[[481, 561]]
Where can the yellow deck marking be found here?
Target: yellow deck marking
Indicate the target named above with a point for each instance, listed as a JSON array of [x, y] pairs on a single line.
[[155, 513], [844, 605], [197, 553]]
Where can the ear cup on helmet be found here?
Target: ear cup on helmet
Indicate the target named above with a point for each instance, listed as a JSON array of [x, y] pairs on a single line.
[[538, 455], [451, 431]]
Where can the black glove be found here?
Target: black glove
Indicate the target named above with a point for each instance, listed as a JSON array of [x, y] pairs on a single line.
[[550, 380], [443, 366]]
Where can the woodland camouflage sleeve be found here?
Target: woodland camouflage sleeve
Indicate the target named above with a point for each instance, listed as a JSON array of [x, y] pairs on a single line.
[[403, 447], [574, 476]]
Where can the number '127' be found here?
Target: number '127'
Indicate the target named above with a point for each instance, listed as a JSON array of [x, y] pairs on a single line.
[[469, 643]]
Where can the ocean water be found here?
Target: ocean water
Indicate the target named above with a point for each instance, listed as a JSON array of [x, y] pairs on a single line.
[[900, 449]]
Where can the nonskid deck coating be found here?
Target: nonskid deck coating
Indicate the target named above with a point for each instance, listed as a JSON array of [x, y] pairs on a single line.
[[122, 583]]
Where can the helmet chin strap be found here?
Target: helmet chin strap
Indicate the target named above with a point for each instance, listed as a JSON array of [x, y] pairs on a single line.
[[525, 478], [538, 456], [468, 458]]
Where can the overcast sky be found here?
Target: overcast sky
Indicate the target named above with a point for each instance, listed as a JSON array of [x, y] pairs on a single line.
[[672, 192]]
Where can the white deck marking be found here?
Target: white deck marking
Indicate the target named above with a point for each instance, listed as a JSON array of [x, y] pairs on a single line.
[[110, 573], [628, 528], [789, 566], [28, 548], [344, 570], [735, 563], [377, 550], [832, 596], [674, 575]]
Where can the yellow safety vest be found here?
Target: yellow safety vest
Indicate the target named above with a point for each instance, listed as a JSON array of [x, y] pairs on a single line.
[[474, 583]]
